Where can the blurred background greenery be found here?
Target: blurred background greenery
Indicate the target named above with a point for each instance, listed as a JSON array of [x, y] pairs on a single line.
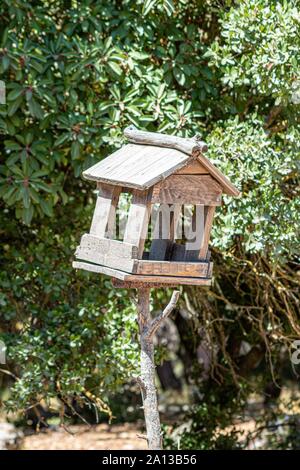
[[76, 74]]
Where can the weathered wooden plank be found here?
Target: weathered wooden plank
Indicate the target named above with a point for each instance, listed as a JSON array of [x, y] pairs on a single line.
[[152, 281], [96, 268], [188, 189], [210, 270], [209, 216], [196, 230], [166, 280], [105, 245], [228, 187], [111, 253], [175, 220], [138, 218], [108, 260], [160, 222], [141, 166], [168, 268], [193, 168], [186, 145], [137, 166], [142, 284], [103, 222]]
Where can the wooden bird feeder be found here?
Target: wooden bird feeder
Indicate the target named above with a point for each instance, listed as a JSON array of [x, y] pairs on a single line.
[[168, 172]]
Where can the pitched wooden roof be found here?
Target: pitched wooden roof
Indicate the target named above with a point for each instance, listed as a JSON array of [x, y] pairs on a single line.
[[137, 166], [151, 158]]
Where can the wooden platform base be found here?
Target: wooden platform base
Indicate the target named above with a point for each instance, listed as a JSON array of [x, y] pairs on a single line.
[[139, 284], [138, 280]]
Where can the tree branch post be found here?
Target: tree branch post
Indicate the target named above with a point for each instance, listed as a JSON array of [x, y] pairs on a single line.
[[147, 328]]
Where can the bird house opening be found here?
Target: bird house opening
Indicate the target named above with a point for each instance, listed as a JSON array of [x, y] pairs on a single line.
[[180, 233]]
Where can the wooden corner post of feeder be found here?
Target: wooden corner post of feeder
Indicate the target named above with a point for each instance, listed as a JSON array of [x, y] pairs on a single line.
[[172, 175]]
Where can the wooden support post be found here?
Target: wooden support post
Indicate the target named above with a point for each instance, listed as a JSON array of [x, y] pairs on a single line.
[[148, 327], [138, 219], [209, 216], [147, 378], [103, 222], [175, 219], [195, 229]]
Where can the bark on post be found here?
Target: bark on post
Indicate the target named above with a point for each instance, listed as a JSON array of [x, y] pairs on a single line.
[[146, 380]]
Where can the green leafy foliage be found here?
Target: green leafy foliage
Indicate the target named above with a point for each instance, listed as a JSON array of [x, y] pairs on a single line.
[[199, 431], [266, 218], [73, 86], [76, 74], [68, 334]]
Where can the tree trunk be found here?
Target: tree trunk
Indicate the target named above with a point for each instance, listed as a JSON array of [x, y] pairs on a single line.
[[147, 378], [148, 328]]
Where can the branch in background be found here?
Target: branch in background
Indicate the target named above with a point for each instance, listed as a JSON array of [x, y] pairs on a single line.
[[274, 113], [156, 322]]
